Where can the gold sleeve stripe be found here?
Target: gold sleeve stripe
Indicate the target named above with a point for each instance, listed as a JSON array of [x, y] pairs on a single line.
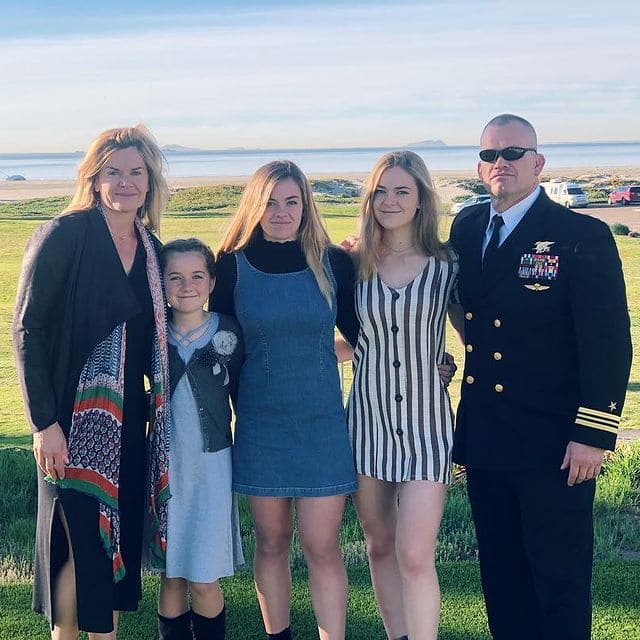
[[603, 415], [595, 425], [598, 420]]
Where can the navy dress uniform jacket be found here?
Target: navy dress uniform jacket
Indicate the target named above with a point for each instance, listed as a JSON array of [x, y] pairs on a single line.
[[547, 333]]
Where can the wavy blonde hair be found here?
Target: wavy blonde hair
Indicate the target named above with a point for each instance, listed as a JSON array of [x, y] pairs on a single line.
[[98, 154], [312, 234], [426, 233]]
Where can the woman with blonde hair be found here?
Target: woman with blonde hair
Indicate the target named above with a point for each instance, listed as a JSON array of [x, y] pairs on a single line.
[[288, 288], [89, 325], [399, 414]]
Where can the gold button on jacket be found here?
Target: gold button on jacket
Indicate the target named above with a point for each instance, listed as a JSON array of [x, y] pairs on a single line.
[[468, 315], [499, 388], [497, 356], [470, 379]]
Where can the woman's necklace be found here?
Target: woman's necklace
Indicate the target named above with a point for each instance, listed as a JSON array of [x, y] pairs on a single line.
[[185, 339], [411, 246]]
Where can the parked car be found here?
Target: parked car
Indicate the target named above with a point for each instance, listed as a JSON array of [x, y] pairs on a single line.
[[568, 194], [457, 207], [625, 195], [15, 177]]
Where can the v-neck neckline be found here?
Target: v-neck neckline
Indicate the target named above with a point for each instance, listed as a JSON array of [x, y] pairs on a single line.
[[408, 284]]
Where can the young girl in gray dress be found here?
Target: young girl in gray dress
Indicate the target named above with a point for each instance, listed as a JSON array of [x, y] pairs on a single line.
[[203, 538]]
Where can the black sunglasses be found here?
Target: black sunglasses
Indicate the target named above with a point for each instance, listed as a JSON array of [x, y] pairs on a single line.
[[508, 153]]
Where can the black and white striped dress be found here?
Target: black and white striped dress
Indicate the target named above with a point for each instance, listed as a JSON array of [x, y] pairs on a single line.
[[399, 412]]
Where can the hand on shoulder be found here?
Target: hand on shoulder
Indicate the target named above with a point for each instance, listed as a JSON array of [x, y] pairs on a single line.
[[351, 244]]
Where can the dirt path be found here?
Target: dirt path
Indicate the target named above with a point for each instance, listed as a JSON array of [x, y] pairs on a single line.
[[628, 435], [629, 215]]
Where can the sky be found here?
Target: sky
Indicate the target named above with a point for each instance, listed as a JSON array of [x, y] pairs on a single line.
[[280, 74]]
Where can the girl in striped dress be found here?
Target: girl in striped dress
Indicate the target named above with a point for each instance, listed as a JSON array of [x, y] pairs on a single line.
[[399, 413]]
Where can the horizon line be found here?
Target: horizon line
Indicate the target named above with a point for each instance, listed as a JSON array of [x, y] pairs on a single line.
[[186, 149]]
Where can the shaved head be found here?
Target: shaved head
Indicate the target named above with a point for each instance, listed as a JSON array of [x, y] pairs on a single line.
[[508, 118]]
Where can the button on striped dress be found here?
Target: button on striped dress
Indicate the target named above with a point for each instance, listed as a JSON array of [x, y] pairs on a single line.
[[399, 413]]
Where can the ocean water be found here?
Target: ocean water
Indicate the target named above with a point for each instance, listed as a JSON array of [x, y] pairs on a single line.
[[62, 166]]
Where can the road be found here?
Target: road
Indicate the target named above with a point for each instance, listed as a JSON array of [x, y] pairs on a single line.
[[629, 215]]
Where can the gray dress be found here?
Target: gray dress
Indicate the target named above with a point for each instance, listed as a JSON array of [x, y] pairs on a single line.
[[203, 539]]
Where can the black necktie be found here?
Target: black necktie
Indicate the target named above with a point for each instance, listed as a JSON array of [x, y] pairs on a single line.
[[494, 241]]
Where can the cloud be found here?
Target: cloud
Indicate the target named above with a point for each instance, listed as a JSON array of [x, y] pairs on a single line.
[[329, 76]]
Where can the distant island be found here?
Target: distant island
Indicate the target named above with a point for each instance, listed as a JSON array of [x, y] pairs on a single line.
[[426, 143], [178, 148]]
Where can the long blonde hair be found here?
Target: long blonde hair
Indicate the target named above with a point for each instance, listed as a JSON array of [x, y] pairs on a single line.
[[98, 154], [312, 234], [426, 234]]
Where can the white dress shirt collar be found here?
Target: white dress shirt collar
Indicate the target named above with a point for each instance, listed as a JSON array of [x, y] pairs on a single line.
[[511, 216]]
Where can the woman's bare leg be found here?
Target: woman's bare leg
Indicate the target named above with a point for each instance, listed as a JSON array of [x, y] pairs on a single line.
[[376, 503], [319, 522], [421, 504], [273, 522]]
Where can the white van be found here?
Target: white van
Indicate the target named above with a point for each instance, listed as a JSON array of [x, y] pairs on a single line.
[[568, 194]]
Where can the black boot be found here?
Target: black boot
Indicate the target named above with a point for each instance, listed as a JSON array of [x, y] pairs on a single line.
[[208, 628], [285, 634], [175, 628]]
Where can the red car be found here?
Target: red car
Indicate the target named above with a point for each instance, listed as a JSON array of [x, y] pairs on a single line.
[[625, 195]]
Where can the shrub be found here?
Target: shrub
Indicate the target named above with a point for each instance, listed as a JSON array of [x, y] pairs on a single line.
[[337, 187], [619, 229], [597, 195], [475, 186], [221, 198]]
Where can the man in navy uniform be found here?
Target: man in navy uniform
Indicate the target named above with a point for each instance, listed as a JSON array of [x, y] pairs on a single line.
[[548, 354]]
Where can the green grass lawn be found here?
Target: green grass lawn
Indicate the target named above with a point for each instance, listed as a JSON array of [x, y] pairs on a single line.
[[615, 604], [197, 213]]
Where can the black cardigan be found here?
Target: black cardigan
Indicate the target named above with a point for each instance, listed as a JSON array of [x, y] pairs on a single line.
[[72, 293]]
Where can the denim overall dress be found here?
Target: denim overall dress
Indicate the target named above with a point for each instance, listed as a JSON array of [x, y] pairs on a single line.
[[291, 437]]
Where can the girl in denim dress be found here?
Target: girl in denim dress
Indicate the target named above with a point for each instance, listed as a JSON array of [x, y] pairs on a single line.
[[289, 288]]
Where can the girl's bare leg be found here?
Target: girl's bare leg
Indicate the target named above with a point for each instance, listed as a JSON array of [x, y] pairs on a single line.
[[273, 520], [376, 503], [421, 504], [319, 522]]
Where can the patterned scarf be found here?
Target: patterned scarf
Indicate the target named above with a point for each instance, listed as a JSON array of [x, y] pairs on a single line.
[[96, 427]]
